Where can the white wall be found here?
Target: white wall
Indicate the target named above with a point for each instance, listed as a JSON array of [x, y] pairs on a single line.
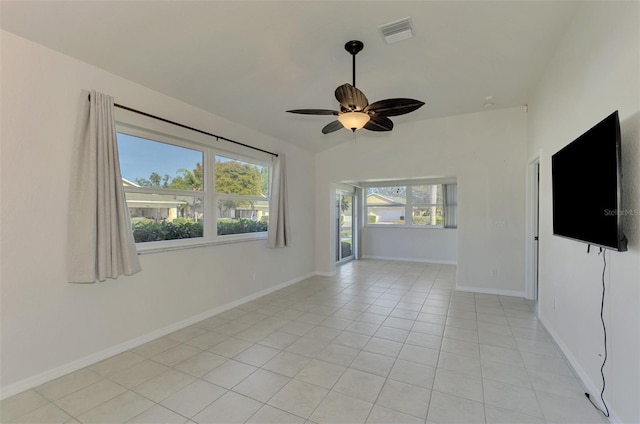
[[594, 72], [411, 244], [486, 153], [48, 324]]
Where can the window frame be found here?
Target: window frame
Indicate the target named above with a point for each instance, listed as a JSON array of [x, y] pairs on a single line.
[[409, 204], [242, 197], [164, 133]]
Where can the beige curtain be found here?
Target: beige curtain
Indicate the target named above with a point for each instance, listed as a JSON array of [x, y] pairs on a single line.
[[100, 243], [279, 233]]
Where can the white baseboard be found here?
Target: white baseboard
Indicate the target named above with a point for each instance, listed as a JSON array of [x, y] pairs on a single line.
[[325, 274], [484, 290], [586, 382], [421, 260], [45, 377]]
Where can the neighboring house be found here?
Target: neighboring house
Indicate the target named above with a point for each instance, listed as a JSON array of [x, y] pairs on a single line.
[[167, 207], [256, 212], [255, 209], [156, 206], [388, 209]]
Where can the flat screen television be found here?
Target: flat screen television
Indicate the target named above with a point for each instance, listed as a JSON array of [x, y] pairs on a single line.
[[587, 187]]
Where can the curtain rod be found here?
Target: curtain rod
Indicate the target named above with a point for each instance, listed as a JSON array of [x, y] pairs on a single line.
[[217, 137]]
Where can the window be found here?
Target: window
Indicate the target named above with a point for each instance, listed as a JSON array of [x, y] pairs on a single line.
[[386, 205], [426, 205], [242, 191], [417, 205], [184, 193], [164, 189]]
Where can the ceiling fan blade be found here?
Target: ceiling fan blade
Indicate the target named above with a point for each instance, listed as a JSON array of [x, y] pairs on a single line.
[[351, 98], [379, 123], [331, 127], [314, 111], [394, 107]]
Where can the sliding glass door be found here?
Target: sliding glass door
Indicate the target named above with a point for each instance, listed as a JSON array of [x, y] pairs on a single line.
[[344, 226]]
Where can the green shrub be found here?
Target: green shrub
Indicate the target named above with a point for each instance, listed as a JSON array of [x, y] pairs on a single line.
[[147, 230], [373, 218], [346, 248], [421, 220], [240, 226], [178, 221], [140, 220], [426, 220]]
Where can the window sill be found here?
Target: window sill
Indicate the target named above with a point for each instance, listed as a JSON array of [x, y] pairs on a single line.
[[410, 227], [145, 248]]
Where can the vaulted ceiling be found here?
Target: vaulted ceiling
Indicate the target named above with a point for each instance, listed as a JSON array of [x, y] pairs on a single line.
[[249, 61]]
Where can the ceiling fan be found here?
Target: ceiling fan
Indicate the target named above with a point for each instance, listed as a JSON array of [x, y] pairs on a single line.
[[355, 111]]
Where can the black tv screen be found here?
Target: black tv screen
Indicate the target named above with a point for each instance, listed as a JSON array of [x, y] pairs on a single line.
[[587, 189]]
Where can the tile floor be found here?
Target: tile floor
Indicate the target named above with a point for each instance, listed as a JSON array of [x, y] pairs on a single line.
[[381, 342]]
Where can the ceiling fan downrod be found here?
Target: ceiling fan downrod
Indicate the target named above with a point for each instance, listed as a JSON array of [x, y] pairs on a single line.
[[354, 47]]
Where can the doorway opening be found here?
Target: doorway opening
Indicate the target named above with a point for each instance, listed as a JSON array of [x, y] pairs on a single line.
[[533, 224]]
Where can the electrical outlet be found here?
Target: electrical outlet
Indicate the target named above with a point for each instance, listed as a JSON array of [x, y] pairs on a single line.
[[254, 276], [493, 272]]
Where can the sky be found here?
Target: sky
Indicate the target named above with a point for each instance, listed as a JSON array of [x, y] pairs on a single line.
[[140, 157]]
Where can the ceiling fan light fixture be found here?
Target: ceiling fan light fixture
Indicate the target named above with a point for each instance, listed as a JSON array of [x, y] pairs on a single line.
[[353, 120]]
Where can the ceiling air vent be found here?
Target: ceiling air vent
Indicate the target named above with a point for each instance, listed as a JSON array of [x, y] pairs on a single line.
[[397, 31]]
